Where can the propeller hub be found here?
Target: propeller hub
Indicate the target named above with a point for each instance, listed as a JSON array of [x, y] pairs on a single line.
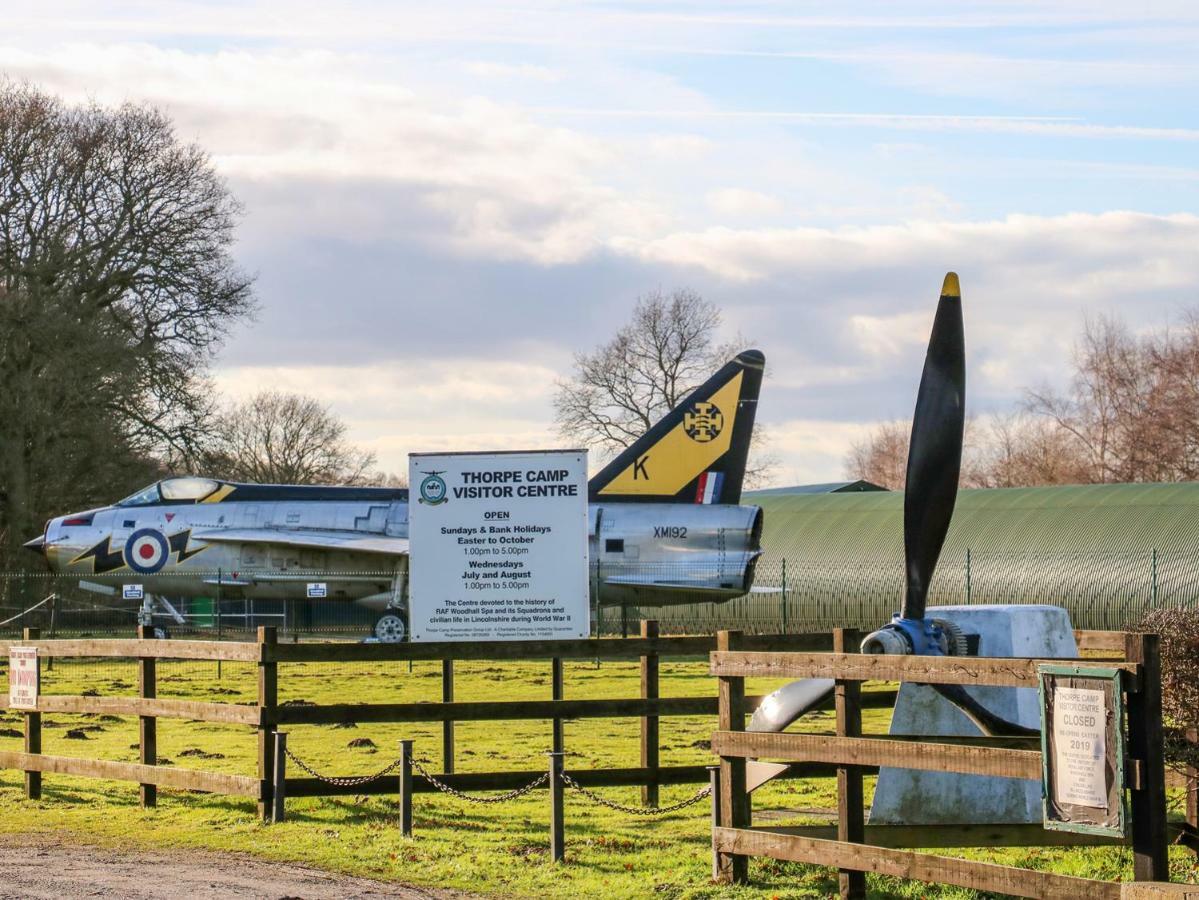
[[887, 641], [906, 637]]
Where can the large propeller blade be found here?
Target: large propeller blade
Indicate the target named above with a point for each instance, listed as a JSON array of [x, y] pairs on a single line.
[[934, 465], [935, 450], [790, 702]]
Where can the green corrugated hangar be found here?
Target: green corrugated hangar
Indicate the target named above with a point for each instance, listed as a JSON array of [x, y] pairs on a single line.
[[1106, 552]]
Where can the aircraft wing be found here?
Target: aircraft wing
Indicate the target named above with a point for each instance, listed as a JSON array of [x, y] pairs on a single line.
[[318, 540], [663, 584]]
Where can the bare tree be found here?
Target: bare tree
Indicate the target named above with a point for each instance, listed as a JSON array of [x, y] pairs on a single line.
[[1133, 403], [1106, 408], [882, 456], [667, 349], [1022, 450], [276, 438], [116, 284], [1130, 413]]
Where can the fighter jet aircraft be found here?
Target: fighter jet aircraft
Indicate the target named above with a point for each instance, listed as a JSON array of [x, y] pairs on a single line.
[[666, 526]]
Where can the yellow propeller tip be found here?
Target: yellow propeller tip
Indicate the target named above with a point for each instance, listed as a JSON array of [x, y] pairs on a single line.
[[951, 288]]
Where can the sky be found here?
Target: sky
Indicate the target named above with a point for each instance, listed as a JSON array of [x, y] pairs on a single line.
[[443, 203]]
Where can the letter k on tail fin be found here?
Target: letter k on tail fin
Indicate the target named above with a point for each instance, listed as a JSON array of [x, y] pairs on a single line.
[[697, 452]]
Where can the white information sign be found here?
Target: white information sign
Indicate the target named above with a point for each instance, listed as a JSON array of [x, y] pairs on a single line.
[[498, 546], [318, 590], [1080, 752], [132, 592], [22, 678]]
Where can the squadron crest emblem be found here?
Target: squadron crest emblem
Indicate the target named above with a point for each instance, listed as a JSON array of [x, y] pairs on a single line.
[[703, 422], [432, 489]]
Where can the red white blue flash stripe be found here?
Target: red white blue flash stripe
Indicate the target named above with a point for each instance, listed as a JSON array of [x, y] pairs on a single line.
[[708, 488]]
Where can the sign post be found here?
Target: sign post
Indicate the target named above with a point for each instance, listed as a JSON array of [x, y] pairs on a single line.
[[498, 546], [1082, 748]]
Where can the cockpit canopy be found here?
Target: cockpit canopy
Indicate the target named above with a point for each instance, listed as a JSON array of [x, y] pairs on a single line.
[[185, 489]]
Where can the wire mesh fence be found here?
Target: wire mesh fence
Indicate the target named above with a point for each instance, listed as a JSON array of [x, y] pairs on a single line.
[[1100, 591]]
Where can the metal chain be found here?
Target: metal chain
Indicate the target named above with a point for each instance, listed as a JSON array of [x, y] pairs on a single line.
[[637, 810], [446, 789], [510, 795], [344, 782]]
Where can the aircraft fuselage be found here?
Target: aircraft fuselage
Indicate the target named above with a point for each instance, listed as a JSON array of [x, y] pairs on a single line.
[[648, 553]]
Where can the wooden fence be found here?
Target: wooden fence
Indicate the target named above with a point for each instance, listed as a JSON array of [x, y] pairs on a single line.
[[856, 848], [268, 715], [795, 655]]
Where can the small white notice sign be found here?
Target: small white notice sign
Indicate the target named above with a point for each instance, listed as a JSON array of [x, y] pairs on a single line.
[[1080, 751], [318, 590], [22, 677], [133, 592], [498, 546]]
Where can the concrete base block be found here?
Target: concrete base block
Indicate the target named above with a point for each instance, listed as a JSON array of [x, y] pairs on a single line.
[[918, 797]]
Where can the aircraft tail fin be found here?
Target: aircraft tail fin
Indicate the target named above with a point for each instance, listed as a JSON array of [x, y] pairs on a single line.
[[697, 452]]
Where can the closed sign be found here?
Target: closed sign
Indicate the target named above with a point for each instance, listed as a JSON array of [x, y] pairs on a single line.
[[22, 678]]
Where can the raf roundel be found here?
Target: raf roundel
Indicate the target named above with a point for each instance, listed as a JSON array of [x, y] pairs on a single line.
[[146, 551]]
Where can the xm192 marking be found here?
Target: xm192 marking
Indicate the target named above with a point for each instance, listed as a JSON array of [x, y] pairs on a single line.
[[671, 531]]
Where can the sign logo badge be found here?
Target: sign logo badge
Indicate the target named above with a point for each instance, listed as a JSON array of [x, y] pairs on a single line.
[[433, 490], [703, 422]]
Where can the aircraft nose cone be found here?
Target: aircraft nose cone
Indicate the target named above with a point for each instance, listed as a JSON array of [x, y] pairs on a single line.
[[37, 545]]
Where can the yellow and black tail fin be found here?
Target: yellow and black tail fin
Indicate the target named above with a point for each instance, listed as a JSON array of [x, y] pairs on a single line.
[[697, 453]]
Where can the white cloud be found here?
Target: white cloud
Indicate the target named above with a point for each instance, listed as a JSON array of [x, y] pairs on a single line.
[[507, 186], [394, 409], [488, 69], [889, 336], [1148, 249], [812, 451], [741, 203]]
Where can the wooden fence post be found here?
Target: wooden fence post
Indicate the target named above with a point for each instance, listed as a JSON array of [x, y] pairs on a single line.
[[1192, 789], [279, 781], [147, 689], [557, 810], [1150, 843], [714, 789], [447, 727], [851, 821], [268, 703], [406, 788], [734, 799], [33, 728], [557, 692], [53, 626], [650, 690]]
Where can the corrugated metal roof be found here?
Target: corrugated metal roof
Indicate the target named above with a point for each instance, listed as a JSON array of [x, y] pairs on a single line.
[[828, 487], [1093, 518], [1106, 552]]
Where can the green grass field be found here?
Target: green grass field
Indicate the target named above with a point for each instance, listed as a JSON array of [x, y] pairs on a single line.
[[496, 849]]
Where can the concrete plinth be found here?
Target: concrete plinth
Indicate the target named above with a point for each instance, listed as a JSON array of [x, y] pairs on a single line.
[[917, 797]]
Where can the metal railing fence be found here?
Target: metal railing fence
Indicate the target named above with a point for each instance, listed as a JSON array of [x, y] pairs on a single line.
[[1104, 591]]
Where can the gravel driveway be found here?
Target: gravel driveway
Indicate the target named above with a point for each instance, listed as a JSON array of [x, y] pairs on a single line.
[[50, 867]]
